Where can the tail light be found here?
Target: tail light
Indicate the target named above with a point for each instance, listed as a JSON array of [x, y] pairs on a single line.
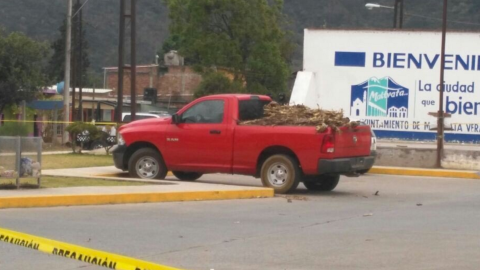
[[328, 145]]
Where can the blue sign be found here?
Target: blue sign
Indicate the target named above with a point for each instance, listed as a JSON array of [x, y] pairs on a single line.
[[350, 59], [379, 98], [60, 87]]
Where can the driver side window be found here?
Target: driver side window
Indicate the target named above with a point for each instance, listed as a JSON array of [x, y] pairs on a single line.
[[206, 112]]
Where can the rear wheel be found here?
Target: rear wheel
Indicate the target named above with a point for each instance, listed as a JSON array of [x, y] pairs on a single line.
[[321, 183], [147, 163], [187, 176], [280, 172]]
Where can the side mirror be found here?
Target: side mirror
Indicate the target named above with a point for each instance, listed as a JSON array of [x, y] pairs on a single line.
[[175, 119]]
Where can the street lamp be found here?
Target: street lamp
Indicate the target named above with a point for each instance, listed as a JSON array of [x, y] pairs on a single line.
[[396, 17], [371, 6]]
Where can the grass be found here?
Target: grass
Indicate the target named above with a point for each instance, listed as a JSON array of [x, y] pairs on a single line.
[[75, 161], [57, 182], [62, 161]]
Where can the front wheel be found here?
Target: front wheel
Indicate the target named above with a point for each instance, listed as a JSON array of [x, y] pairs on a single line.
[[281, 172], [321, 183], [187, 176], [147, 163]]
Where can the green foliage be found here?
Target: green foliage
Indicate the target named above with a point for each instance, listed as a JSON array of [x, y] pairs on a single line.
[[80, 127], [21, 68], [14, 129], [245, 36], [217, 83], [172, 42]]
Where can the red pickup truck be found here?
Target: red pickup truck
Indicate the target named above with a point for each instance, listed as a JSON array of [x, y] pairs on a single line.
[[206, 137]]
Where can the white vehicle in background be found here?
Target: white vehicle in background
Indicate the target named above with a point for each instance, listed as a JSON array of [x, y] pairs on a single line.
[[109, 133], [127, 117]]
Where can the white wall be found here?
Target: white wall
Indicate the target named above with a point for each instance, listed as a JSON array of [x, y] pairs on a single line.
[[397, 100], [305, 91]]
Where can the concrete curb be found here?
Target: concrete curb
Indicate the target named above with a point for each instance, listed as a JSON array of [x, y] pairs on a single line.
[[103, 199], [425, 172], [118, 175]]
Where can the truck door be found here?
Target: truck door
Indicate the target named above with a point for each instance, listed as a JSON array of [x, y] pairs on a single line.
[[201, 142]]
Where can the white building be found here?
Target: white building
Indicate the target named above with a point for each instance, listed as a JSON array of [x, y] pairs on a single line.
[[395, 112], [359, 107]]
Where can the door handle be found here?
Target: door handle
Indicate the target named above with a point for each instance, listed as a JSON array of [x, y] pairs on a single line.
[[215, 132]]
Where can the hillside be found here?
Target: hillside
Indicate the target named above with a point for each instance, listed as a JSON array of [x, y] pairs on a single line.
[[41, 19]]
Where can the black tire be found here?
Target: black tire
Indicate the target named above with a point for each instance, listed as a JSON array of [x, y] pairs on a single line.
[[156, 170], [321, 183], [187, 176], [291, 171]]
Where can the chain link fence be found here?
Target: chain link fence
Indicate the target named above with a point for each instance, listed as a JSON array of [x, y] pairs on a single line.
[[20, 158]]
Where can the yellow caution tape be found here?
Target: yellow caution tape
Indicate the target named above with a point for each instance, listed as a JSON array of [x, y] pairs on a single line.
[[58, 122], [86, 255]]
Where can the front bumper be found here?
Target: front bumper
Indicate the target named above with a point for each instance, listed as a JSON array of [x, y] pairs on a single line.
[[118, 152], [345, 165]]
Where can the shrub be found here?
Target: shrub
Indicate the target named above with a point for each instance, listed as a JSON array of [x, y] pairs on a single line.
[[80, 127], [14, 129]]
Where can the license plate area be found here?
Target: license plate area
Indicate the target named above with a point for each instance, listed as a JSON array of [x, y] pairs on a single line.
[[357, 162]]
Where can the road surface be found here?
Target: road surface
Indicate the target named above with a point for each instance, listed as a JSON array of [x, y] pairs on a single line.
[[412, 223]]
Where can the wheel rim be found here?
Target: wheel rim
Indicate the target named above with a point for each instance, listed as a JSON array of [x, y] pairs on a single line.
[[277, 174], [147, 167]]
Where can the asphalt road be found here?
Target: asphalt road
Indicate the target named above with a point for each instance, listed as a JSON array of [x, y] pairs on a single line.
[[413, 223]]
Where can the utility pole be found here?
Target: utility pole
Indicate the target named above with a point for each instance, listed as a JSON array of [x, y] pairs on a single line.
[[441, 113], [75, 61], [133, 65], [401, 14], [395, 14], [94, 113], [121, 47], [66, 87], [133, 60], [80, 64], [398, 14]]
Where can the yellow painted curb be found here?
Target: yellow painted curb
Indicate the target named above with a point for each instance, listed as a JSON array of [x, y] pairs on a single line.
[[102, 199], [425, 172], [120, 175]]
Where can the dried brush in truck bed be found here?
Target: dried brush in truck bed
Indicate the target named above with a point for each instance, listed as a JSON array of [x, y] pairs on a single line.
[[299, 115]]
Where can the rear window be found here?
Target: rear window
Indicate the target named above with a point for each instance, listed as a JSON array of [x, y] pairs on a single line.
[[251, 109]]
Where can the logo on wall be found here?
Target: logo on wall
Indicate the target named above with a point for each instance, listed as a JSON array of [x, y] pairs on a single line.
[[379, 98]]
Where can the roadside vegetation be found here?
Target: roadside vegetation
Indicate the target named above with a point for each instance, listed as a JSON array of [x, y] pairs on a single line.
[[60, 182], [75, 161]]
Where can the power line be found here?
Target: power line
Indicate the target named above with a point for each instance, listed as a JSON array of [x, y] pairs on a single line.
[[80, 8]]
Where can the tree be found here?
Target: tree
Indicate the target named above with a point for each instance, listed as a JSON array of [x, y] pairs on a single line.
[[217, 83], [172, 42], [21, 68], [244, 36], [56, 66]]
